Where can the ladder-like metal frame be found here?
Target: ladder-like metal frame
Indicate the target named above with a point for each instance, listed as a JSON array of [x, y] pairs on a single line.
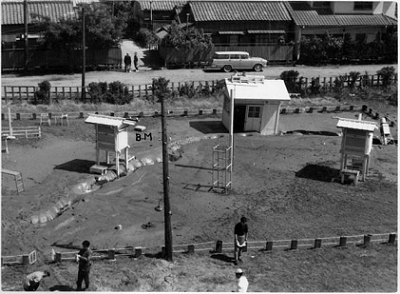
[[222, 169]]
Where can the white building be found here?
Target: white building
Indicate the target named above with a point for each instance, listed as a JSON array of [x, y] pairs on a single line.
[[257, 104]]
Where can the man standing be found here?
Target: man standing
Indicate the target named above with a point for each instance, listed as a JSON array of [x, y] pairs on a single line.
[[128, 62], [241, 231], [136, 62], [242, 282], [32, 281], [83, 258]]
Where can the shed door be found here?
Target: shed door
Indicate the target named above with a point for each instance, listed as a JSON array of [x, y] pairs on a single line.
[[253, 121]]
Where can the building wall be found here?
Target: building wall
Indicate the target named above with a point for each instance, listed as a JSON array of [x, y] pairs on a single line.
[[353, 31], [270, 118], [378, 7]]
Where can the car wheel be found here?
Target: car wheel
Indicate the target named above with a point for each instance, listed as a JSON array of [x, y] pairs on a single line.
[[258, 67], [227, 68]]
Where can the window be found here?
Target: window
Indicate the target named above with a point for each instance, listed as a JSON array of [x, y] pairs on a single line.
[[235, 56], [244, 56], [363, 5], [254, 111], [321, 4]]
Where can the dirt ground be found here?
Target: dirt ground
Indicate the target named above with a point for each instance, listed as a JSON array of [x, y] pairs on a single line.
[[281, 183]]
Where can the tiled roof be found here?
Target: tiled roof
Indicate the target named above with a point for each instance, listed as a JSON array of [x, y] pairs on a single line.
[[266, 31], [364, 20], [12, 13], [304, 15], [239, 11], [160, 5]]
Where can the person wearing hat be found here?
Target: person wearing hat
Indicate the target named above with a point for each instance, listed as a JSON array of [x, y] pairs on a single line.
[[240, 233], [242, 282], [32, 281]]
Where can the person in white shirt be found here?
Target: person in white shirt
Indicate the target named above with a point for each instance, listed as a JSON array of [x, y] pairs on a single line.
[[32, 281], [242, 282]]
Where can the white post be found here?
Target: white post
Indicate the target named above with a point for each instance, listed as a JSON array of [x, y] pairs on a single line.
[[231, 127], [10, 121]]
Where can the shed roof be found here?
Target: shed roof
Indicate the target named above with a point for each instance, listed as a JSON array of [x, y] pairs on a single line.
[[266, 90], [239, 11], [99, 119], [12, 12], [356, 124]]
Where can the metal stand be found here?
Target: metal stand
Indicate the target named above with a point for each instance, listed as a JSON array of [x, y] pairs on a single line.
[[222, 169]]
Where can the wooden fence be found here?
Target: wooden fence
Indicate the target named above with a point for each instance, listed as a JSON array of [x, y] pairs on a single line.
[[23, 132], [24, 259], [265, 246], [24, 93]]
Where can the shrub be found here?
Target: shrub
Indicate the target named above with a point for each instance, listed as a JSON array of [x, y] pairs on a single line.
[[42, 95], [160, 90], [387, 75], [290, 77], [352, 78]]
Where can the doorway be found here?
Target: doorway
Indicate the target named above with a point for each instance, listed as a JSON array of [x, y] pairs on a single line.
[[239, 118]]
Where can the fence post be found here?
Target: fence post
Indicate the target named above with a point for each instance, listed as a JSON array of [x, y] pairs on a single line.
[[218, 247], [324, 84], [63, 92], [18, 116], [58, 257], [342, 241], [25, 259], [20, 94], [214, 111], [269, 245], [293, 245], [367, 240], [50, 116], [163, 252], [330, 84], [80, 114], [317, 243], [3, 117], [200, 112], [34, 116], [139, 91], [111, 254], [133, 91], [191, 249], [138, 251], [392, 238]]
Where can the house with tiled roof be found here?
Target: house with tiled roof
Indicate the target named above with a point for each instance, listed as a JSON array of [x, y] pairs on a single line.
[[340, 17], [253, 26], [13, 17], [158, 13]]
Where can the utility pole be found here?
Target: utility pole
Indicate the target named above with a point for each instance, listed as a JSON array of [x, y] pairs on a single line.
[[26, 55], [83, 98], [167, 208]]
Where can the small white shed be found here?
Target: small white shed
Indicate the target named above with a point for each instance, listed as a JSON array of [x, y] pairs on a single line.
[[257, 103], [356, 145], [111, 135]]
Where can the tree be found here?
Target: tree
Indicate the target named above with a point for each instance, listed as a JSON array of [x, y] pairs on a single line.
[[102, 29], [130, 12], [183, 37]]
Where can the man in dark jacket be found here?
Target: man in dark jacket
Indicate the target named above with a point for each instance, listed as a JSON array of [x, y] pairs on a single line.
[[83, 258], [128, 62]]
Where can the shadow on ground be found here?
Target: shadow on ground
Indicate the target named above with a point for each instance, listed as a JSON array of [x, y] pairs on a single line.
[[318, 173], [152, 59], [222, 257], [76, 165], [208, 127], [61, 288]]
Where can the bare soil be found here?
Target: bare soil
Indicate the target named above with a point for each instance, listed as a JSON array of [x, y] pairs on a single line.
[[283, 184]]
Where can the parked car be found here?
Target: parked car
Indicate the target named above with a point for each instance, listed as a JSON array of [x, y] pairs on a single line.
[[235, 60]]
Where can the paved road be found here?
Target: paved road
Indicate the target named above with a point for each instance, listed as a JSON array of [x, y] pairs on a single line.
[[146, 75]]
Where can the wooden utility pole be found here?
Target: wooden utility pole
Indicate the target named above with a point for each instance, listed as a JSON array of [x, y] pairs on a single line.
[[167, 208], [26, 43], [83, 55]]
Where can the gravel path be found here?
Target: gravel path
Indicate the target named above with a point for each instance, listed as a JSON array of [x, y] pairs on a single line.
[[146, 75]]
